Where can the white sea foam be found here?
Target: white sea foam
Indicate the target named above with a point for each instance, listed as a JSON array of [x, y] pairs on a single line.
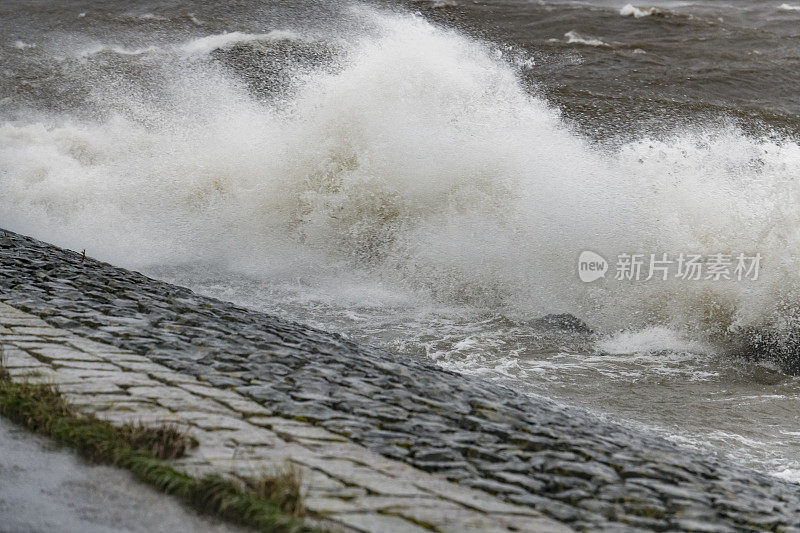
[[22, 45], [195, 19], [143, 17], [789, 474], [98, 48], [205, 45], [788, 7], [629, 10], [438, 3], [652, 340], [573, 37]]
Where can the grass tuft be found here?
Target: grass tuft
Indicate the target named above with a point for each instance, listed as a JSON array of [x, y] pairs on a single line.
[[283, 486], [272, 503], [166, 441]]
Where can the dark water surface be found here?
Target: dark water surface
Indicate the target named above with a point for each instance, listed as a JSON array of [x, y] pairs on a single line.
[[677, 61]]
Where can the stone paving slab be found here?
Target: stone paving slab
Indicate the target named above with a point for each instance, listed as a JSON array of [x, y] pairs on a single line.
[[516, 449], [349, 486]]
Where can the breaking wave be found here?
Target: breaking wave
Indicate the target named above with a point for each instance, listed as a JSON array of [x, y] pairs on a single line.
[[416, 159], [574, 37], [205, 45], [629, 10], [101, 48]]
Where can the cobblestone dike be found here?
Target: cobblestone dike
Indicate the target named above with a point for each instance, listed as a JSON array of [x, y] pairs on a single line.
[[590, 474]]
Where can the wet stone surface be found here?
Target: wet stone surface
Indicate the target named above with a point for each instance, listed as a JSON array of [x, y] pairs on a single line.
[[569, 465], [345, 487]]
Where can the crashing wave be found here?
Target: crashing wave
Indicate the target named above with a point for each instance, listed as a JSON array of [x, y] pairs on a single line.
[[419, 160]]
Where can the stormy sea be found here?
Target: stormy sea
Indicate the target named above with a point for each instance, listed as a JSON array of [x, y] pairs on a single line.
[[593, 201]]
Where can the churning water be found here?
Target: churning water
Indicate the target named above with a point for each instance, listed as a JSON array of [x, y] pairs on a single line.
[[424, 177]]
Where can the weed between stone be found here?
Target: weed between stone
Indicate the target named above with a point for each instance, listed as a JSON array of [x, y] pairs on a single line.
[[282, 487], [167, 441], [271, 503]]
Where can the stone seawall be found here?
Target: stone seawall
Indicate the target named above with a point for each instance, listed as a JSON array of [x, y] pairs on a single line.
[[528, 454]]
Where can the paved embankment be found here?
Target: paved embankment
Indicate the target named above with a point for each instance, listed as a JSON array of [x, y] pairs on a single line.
[[346, 483], [525, 451]]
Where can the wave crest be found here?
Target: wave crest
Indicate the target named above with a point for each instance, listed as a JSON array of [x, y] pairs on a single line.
[[629, 10], [573, 37], [209, 43]]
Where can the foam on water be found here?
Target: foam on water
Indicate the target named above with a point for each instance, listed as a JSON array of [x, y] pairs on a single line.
[[21, 45], [574, 37], [629, 10], [99, 48], [204, 45], [653, 339]]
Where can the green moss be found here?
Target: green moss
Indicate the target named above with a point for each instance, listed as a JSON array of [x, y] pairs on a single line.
[[271, 503]]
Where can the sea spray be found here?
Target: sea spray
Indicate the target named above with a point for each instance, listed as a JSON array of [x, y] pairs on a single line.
[[415, 158]]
